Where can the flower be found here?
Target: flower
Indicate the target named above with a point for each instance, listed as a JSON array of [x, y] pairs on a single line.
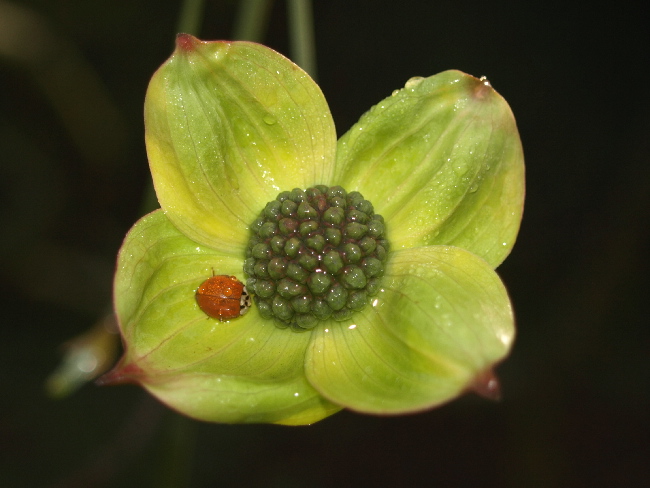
[[230, 126]]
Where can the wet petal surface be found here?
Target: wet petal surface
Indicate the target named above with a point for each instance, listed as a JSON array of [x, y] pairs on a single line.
[[442, 161], [198, 364], [228, 126], [441, 320]]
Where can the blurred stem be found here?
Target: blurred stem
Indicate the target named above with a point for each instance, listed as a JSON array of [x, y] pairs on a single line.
[[191, 17], [180, 442], [301, 29], [252, 20], [189, 22]]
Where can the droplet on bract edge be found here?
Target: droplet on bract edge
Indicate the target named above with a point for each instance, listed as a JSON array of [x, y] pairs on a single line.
[[413, 82]]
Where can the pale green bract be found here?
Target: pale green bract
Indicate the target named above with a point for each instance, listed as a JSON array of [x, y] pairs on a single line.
[[231, 124]]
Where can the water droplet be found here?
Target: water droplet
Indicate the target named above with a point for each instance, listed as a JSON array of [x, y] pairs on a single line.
[[269, 119], [460, 168], [413, 82], [473, 187]]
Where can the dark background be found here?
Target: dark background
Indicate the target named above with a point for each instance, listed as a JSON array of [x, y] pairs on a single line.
[[73, 172]]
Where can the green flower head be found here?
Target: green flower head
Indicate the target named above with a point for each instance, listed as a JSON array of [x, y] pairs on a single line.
[[365, 266]]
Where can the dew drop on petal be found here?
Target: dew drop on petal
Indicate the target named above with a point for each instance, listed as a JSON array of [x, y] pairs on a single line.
[[413, 82]]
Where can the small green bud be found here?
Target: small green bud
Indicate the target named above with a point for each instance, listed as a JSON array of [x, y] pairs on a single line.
[[356, 231], [272, 209], [306, 212], [321, 309], [357, 300], [302, 304], [281, 308], [268, 229], [306, 228], [336, 297], [289, 208], [333, 262], [333, 236], [352, 253], [264, 288], [353, 277], [308, 261], [288, 288], [319, 282], [292, 247], [261, 251], [297, 272], [277, 244], [334, 215], [288, 226]]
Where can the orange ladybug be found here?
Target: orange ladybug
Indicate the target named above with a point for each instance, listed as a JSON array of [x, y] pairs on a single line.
[[223, 297]]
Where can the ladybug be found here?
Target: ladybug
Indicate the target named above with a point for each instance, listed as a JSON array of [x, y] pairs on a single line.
[[223, 297]]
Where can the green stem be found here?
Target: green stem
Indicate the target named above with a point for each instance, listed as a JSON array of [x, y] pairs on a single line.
[[301, 25], [191, 17], [179, 441], [189, 22], [252, 20]]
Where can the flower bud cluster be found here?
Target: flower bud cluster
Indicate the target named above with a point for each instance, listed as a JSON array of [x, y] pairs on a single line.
[[315, 254]]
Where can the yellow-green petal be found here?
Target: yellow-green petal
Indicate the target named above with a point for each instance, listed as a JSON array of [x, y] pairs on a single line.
[[156, 261], [227, 399], [228, 126], [442, 319], [241, 370], [441, 160]]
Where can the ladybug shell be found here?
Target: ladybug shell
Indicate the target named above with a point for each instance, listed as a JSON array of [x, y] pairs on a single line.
[[220, 297]]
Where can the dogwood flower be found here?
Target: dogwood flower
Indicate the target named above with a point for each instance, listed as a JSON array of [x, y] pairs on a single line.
[[369, 261]]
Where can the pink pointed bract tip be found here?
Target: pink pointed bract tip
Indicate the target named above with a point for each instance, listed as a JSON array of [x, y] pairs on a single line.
[[186, 42], [120, 374], [487, 385]]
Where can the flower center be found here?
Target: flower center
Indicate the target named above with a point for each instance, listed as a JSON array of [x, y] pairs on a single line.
[[315, 254]]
